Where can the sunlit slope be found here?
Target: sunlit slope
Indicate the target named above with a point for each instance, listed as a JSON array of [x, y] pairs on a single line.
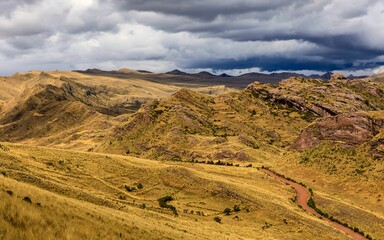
[[241, 125], [72, 189], [70, 109], [328, 135]]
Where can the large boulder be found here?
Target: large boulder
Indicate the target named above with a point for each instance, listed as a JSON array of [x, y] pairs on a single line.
[[350, 129]]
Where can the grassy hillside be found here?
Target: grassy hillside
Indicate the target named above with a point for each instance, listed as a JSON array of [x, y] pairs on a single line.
[[191, 126], [83, 191], [328, 135], [69, 109], [260, 119]]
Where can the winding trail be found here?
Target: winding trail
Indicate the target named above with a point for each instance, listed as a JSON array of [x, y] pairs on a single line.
[[302, 196]]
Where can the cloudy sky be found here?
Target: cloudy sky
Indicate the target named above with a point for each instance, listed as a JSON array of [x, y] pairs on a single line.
[[234, 36]]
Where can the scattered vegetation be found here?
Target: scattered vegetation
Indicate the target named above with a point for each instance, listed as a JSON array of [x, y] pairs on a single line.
[[311, 204], [219, 162], [281, 175]]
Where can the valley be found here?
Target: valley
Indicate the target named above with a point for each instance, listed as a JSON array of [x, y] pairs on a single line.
[[131, 154]]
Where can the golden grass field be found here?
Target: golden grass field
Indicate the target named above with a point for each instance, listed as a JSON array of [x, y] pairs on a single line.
[[83, 196]]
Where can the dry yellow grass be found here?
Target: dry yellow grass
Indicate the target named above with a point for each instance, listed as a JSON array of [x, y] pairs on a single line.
[[84, 195], [74, 110], [90, 187]]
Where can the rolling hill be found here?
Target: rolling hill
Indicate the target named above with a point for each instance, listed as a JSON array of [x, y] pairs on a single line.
[[149, 155]]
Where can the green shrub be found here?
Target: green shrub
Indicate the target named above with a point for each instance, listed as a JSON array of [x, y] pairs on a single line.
[[163, 203], [217, 219], [139, 186], [227, 211], [129, 188], [236, 208], [311, 203]]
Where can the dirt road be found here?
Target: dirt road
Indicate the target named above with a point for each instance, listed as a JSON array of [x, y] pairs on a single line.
[[302, 196]]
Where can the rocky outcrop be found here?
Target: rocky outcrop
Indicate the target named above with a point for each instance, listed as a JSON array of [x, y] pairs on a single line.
[[320, 98], [350, 129], [337, 76]]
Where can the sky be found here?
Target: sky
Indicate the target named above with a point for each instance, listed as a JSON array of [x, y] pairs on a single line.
[[232, 36]]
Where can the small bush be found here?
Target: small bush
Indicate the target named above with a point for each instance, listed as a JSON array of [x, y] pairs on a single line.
[[129, 188], [217, 219], [27, 199], [163, 201], [236, 208], [227, 211], [311, 203], [219, 163]]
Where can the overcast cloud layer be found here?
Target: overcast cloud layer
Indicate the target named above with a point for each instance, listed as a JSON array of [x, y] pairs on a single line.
[[232, 35]]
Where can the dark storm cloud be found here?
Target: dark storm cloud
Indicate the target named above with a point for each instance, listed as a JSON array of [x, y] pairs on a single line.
[[8, 6], [202, 34], [202, 9], [22, 43], [271, 64], [348, 31]]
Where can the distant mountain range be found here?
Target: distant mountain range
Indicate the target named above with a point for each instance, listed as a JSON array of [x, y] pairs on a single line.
[[206, 78], [268, 77], [248, 77]]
